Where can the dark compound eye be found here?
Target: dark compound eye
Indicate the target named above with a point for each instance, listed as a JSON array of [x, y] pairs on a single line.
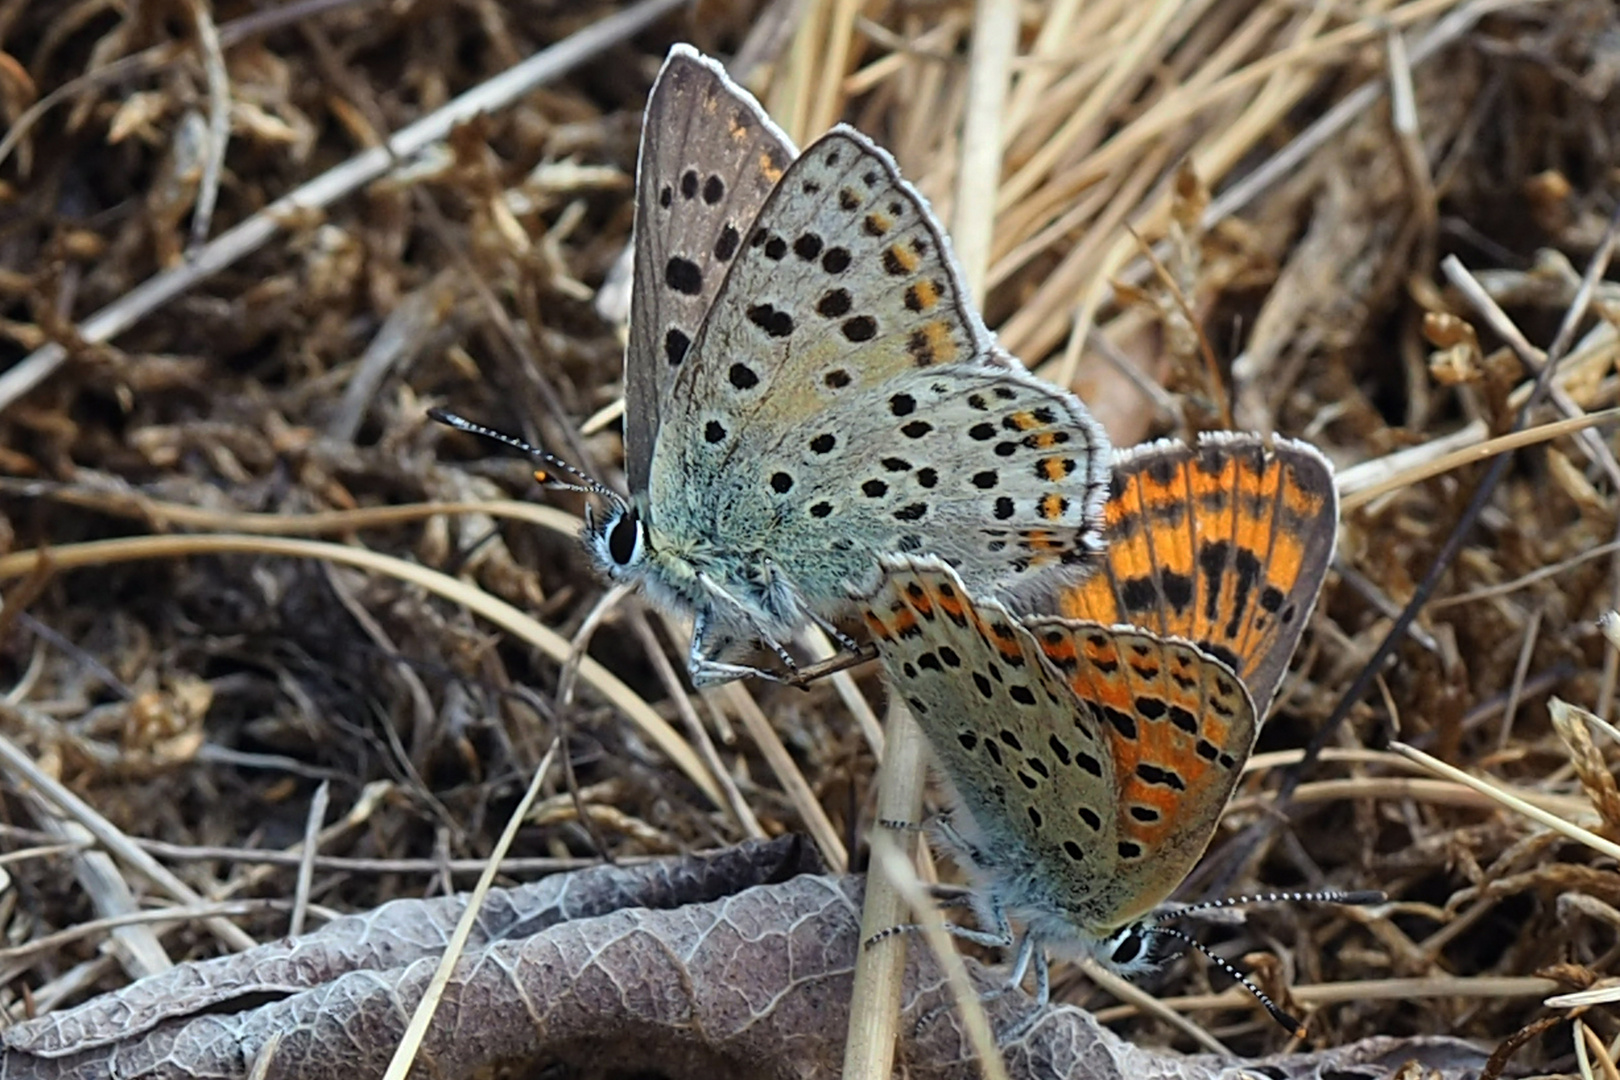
[[1132, 945], [625, 538]]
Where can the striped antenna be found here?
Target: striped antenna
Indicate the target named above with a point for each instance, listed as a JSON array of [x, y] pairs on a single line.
[[552, 477], [1326, 896], [1293, 1026]]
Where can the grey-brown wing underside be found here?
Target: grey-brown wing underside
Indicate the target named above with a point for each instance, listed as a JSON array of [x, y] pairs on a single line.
[[709, 158]]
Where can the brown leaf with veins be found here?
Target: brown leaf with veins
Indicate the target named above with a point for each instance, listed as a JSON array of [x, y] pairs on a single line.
[[736, 964]]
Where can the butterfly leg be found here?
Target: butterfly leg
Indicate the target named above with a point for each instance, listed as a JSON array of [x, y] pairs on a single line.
[[710, 640], [845, 642], [1029, 952], [1000, 935], [841, 661], [950, 838], [940, 826], [998, 932], [850, 653], [999, 938]]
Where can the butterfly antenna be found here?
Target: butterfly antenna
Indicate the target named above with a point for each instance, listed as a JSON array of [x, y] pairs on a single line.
[[1293, 1026], [551, 477], [1322, 896]]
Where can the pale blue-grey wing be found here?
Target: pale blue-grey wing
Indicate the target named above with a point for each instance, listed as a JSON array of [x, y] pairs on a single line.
[[1001, 475], [1029, 761], [844, 282], [709, 158], [842, 331]]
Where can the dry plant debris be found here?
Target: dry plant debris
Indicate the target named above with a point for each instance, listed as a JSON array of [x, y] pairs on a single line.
[[561, 971], [231, 541]]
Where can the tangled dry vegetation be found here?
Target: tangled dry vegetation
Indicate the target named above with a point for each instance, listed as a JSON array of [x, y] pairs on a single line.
[[277, 649]]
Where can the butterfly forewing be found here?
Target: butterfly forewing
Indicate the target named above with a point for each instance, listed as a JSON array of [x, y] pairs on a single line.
[[1028, 760], [793, 320], [709, 159], [843, 402], [1225, 544], [844, 282]]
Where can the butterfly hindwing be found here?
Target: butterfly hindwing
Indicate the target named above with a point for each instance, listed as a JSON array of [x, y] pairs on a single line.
[[1093, 761], [1013, 507], [1179, 725], [1225, 544]]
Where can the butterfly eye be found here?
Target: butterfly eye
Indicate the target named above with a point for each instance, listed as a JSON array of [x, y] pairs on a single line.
[[624, 538], [1130, 947]]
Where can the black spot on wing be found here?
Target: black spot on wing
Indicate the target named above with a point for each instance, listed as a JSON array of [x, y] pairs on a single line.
[[726, 244], [676, 344], [773, 320], [683, 276], [1152, 774]]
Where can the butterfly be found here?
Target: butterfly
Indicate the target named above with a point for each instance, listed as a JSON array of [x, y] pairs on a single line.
[[1089, 758], [807, 389]]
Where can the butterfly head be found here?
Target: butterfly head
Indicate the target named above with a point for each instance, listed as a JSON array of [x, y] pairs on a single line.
[[1128, 951], [628, 548], [619, 541]]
